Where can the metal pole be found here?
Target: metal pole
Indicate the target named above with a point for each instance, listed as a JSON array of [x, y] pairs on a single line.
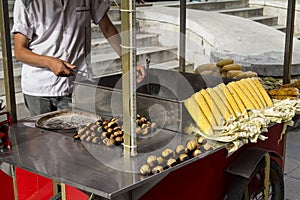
[[182, 35], [7, 60], [288, 52], [129, 76]]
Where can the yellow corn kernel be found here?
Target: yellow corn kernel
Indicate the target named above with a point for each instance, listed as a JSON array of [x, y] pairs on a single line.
[[252, 92], [219, 104], [198, 115], [263, 92], [236, 108], [222, 96], [236, 97], [258, 94], [248, 93], [205, 108], [247, 103]]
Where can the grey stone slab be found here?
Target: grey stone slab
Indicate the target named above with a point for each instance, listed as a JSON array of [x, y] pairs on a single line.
[[295, 174], [292, 189], [290, 165]]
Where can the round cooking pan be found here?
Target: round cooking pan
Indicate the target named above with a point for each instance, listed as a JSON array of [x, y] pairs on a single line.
[[65, 120]]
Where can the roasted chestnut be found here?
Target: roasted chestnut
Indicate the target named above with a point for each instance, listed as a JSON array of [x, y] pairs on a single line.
[[157, 169], [145, 170]]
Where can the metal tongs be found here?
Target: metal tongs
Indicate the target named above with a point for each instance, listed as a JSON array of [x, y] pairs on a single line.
[[84, 74]]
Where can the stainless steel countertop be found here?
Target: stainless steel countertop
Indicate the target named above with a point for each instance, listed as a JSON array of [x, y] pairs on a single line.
[[92, 168]]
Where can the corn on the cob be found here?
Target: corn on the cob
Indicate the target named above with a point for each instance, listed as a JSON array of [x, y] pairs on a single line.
[[198, 115], [230, 99], [205, 108], [244, 98], [258, 94], [263, 92], [220, 103], [287, 91], [248, 93], [284, 97], [230, 67], [236, 97], [252, 92], [224, 62], [213, 107]]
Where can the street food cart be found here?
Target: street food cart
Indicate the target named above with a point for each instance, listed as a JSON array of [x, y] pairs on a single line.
[[44, 157], [44, 162]]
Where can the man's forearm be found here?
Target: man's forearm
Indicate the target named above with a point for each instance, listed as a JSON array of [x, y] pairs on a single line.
[[26, 56]]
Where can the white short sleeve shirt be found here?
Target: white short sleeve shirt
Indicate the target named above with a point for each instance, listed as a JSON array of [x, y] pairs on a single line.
[[57, 28]]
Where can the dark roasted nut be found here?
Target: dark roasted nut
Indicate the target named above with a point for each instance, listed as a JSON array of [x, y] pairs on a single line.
[[109, 130], [138, 130], [171, 162], [144, 126], [207, 147], [183, 157], [119, 139], [180, 149], [83, 137], [81, 131], [89, 139], [145, 131], [138, 116], [152, 161], [154, 126], [157, 169], [118, 133], [117, 128], [105, 141], [201, 139], [96, 140], [112, 136], [88, 132], [76, 137], [104, 128], [197, 152], [143, 119], [108, 142], [99, 129], [103, 135], [145, 170], [167, 153], [160, 160], [112, 124], [94, 127], [99, 122], [192, 145]]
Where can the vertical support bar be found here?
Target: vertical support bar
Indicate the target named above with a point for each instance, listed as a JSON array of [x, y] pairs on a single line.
[[267, 176], [7, 60], [182, 35], [63, 191], [129, 75], [13, 175], [288, 52]]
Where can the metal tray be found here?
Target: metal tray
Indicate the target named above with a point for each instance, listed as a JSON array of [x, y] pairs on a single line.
[[65, 120]]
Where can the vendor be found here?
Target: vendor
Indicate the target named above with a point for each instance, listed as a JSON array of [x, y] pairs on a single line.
[[53, 40]]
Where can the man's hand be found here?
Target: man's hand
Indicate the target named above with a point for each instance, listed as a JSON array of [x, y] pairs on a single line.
[[60, 67]]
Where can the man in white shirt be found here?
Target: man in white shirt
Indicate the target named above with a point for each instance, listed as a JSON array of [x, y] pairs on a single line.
[[52, 38]]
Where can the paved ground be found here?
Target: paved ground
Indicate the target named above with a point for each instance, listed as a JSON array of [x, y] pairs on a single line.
[[292, 165]]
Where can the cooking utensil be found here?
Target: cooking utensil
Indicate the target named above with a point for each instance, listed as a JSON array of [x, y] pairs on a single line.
[[65, 120]]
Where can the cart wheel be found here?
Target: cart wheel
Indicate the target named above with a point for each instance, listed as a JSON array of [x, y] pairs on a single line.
[[253, 188]]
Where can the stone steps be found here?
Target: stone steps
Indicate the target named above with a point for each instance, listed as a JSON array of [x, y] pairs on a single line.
[[245, 12], [266, 20]]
